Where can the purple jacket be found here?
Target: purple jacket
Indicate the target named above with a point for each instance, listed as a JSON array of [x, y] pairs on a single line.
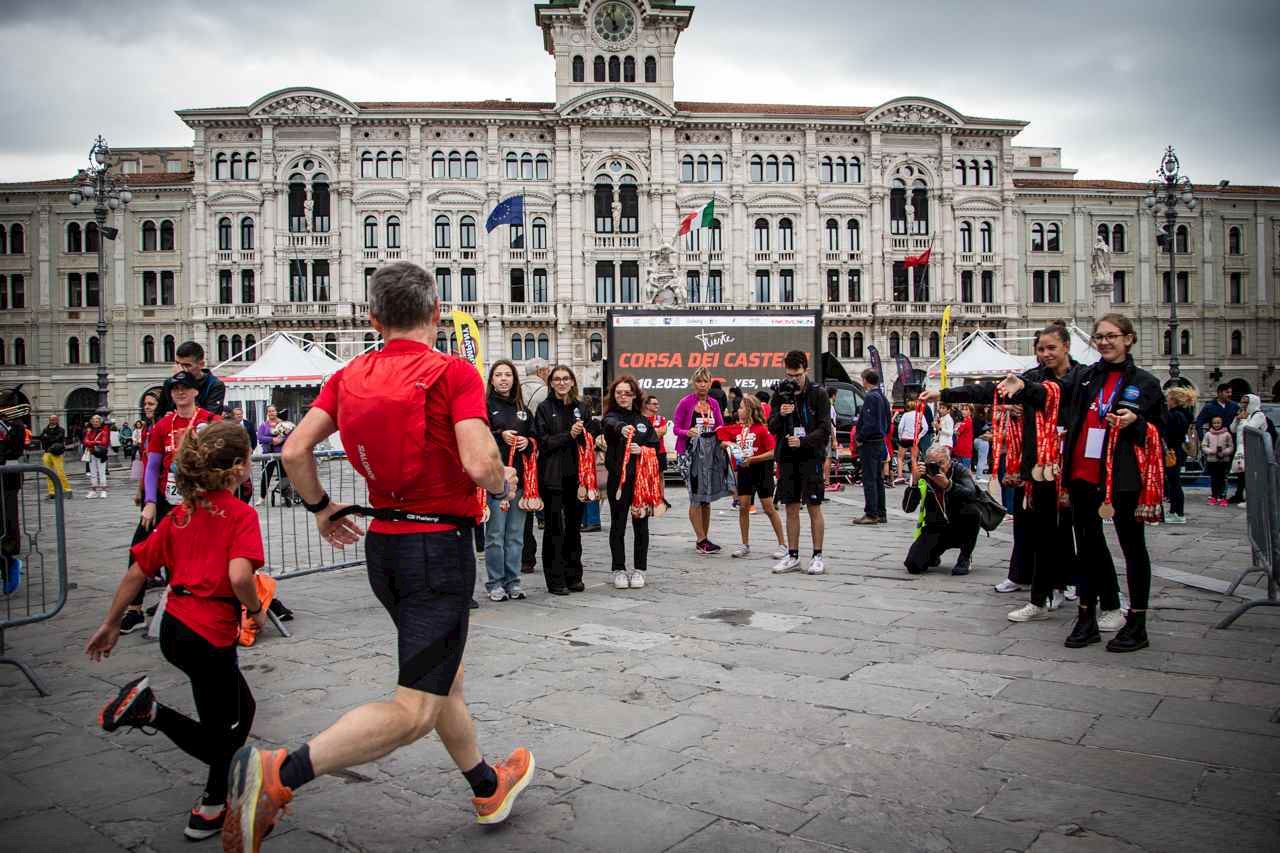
[[683, 419], [265, 436]]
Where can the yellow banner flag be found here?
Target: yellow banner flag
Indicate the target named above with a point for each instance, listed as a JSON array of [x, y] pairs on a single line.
[[468, 333], [946, 324]]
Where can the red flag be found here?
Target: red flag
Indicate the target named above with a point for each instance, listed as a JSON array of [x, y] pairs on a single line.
[[919, 260]]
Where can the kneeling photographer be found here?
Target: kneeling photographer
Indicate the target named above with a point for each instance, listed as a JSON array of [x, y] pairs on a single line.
[[801, 426], [947, 500]]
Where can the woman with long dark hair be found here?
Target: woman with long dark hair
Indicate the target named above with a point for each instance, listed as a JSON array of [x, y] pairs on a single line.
[[512, 427], [1114, 461], [626, 433], [560, 427]]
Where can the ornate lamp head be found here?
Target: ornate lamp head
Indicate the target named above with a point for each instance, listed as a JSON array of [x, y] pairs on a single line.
[[1169, 165]]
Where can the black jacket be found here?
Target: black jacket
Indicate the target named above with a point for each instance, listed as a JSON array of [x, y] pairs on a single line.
[[1139, 392], [53, 435], [557, 449], [813, 412], [873, 419], [1032, 397], [1176, 424], [506, 415], [209, 396], [941, 508], [615, 442]]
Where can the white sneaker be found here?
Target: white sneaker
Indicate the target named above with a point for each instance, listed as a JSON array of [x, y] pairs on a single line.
[[498, 594], [1057, 600], [1028, 612], [620, 580], [1171, 518], [1110, 620], [742, 551], [259, 502], [92, 494], [1241, 504], [1007, 585], [787, 564], [1071, 594], [816, 566], [637, 580], [779, 552]]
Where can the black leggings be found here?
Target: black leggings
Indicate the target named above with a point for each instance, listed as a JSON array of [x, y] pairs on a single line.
[[141, 533], [224, 704], [1098, 572], [619, 512], [1049, 542], [562, 535], [1217, 479], [270, 468], [1173, 488]]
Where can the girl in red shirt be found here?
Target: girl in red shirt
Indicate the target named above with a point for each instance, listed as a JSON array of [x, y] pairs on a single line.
[[97, 440], [212, 546], [751, 444]]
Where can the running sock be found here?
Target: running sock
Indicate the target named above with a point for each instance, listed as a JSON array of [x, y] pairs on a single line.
[[817, 552], [793, 552], [296, 769], [482, 779]]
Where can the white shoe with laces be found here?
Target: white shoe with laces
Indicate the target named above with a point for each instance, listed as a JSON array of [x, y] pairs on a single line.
[[498, 594], [779, 552], [1057, 599], [1071, 594], [786, 564], [1028, 612], [1007, 585], [620, 580], [816, 566], [637, 580], [742, 551], [1111, 620]]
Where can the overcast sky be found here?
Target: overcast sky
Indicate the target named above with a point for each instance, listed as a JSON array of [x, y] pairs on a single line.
[[1109, 81]]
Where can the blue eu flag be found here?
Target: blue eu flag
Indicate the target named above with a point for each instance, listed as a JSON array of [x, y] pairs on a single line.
[[508, 212]]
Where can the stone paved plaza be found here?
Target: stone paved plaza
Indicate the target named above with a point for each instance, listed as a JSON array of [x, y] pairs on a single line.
[[720, 708]]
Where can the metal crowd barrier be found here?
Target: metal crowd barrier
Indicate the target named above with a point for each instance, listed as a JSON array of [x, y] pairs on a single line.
[[1262, 492], [33, 553], [292, 545]]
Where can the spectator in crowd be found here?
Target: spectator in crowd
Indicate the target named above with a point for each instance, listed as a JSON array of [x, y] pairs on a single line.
[[236, 415], [962, 437], [625, 426], [661, 426], [1250, 414], [97, 441], [750, 442], [512, 428], [1222, 406], [764, 396], [735, 403], [945, 499], [534, 390], [801, 427], [1177, 427], [210, 392], [53, 444], [1218, 447], [911, 428], [722, 399], [272, 433], [981, 416], [869, 437], [946, 424], [696, 419], [560, 427]]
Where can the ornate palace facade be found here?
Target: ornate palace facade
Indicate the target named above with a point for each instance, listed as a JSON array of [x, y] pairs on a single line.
[[281, 210]]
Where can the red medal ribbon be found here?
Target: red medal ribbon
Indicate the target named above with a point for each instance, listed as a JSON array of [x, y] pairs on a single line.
[[626, 457], [648, 498], [588, 487], [531, 501]]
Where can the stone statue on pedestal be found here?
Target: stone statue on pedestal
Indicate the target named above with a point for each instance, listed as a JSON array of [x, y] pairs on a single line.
[[308, 211], [663, 289], [1100, 263]]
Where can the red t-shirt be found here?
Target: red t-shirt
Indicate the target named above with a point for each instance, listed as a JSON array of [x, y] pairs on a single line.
[[1090, 470], [198, 547], [962, 444], [753, 440], [457, 396], [166, 436]]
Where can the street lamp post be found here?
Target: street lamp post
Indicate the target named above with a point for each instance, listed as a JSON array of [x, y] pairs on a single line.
[[1165, 192], [107, 192]]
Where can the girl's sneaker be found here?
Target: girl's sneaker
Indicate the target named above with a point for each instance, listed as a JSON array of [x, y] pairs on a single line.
[[133, 706], [200, 827], [1213, 501], [742, 551], [779, 552], [621, 581], [497, 594], [637, 580]]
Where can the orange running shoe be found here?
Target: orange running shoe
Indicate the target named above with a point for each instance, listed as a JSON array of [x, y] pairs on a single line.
[[255, 798], [513, 776]]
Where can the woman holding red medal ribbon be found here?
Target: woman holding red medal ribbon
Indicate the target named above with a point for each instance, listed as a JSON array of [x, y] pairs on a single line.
[[1114, 468], [628, 434]]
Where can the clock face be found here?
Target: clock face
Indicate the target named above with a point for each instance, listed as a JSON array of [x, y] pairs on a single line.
[[615, 23]]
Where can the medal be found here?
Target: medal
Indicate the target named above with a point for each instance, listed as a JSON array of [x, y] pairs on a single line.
[[1107, 511], [1038, 473]]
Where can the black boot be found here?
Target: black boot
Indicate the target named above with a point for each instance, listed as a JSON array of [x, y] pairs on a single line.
[[1085, 630], [1133, 636]]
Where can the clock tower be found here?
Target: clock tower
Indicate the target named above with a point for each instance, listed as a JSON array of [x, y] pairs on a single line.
[[610, 44]]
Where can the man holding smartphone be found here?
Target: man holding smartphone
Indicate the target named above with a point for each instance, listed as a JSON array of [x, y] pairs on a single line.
[[801, 426]]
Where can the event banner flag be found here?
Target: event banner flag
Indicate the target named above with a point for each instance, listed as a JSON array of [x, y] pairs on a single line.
[[942, 350], [876, 365], [468, 333]]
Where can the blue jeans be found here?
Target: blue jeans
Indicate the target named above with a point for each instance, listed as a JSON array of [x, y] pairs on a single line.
[[503, 545], [981, 447], [591, 513], [963, 463]]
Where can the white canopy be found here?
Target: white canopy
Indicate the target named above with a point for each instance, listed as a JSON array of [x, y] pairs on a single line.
[[978, 356], [285, 361], [1082, 348]]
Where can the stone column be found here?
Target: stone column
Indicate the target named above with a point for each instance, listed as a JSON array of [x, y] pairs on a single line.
[[417, 201], [737, 290], [489, 281]]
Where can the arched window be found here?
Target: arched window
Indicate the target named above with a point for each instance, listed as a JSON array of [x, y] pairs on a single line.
[[650, 70], [913, 345], [455, 164], [771, 169], [393, 232], [973, 172], [224, 234], [1117, 238], [629, 198], [467, 232], [517, 347], [169, 346], [237, 167], [529, 346], [320, 195], [246, 233], [370, 232], [224, 348], [857, 344], [544, 346], [961, 175], [1183, 240], [598, 68], [615, 70], [19, 351], [704, 168], [788, 169], [4, 239], [1105, 233], [18, 242], [76, 244], [542, 167], [251, 166], [757, 168], [717, 169], [366, 165], [920, 204], [220, 170], [471, 165], [603, 204], [237, 347], [1233, 240], [825, 171], [513, 165], [629, 70], [73, 350], [985, 238], [833, 236], [988, 174], [437, 165], [384, 165], [579, 70], [713, 236], [91, 237], [966, 236], [250, 348], [397, 164], [538, 233], [895, 344], [786, 235], [855, 172], [148, 349], [1037, 237], [95, 350], [596, 350], [166, 235], [442, 232], [846, 345], [1184, 343], [1237, 342], [841, 172], [934, 343], [833, 345], [686, 168], [526, 166], [855, 235], [762, 235], [966, 286], [247, 293], [1168, 343]]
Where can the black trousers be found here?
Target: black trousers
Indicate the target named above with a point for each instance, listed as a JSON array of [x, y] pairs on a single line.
[[1098, 581], [270, 469], [224, 704], [1022, 557], [140, 533], [1217, 478], [872, 457], [619, 512], [961, 532], [1239, 495], [530, 555], [1173, 489], [1052, 551], [562, 535]]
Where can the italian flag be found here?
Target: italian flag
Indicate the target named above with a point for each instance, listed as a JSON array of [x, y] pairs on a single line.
[[700, 218]]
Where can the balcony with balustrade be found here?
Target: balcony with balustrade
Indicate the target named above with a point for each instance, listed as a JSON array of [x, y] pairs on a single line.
[[528, 311], [970, 259], [296, 241], [846, 311]]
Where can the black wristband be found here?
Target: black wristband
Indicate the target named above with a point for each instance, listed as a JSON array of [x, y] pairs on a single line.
[[317, 506], [249, 612]]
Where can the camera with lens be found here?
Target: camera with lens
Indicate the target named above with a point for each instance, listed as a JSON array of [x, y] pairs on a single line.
[[786, 392], [933, 469]]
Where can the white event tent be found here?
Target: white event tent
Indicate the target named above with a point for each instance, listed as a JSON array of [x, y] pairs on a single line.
[[980, 355], [284, 361]]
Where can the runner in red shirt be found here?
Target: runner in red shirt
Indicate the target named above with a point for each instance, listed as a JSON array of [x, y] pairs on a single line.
[[414, 424], [750, 442], [212, 546]]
